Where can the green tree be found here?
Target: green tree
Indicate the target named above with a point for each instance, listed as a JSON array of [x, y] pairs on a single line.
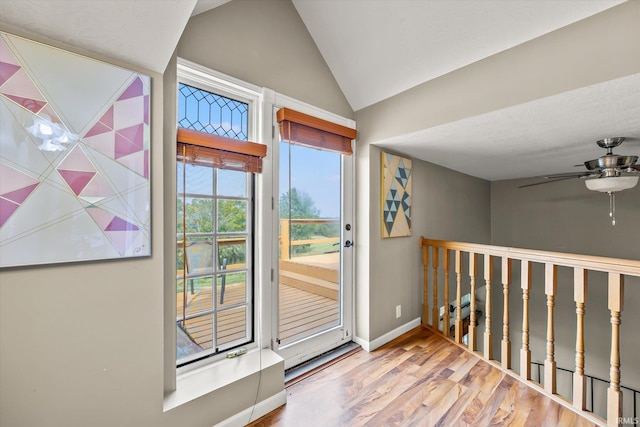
[[297, 204], [232, 216]]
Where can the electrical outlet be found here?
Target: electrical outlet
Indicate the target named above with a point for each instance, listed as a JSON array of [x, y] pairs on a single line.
[[398, 311]]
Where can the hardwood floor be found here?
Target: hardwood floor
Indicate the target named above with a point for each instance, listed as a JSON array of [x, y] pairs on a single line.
[[419, 379]]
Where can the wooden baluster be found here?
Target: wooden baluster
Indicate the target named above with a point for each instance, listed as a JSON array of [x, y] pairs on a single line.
[[435, 310], [550, 287], [446, 319], [580, 297], [435, 260], [473, 271], [425, 284], [525, 352], [488, 277], [458, 296], [614, 395], [505, 354]]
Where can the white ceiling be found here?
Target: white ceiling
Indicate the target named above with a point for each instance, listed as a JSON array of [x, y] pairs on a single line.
[[140, 32], [547, 136], [378, 48]]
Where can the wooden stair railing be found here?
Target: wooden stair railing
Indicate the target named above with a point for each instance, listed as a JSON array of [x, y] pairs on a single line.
[[616, 270]]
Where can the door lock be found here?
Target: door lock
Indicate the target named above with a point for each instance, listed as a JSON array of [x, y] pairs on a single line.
[[348, 244]]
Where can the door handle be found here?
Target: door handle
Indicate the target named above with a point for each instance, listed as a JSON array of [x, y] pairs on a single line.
[[348, 244]]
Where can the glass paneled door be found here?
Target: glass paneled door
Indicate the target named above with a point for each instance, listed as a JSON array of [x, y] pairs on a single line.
[[314, 280]]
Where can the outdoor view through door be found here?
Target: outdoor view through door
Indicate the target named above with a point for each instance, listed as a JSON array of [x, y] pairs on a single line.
[[310, 205], [311, 290]]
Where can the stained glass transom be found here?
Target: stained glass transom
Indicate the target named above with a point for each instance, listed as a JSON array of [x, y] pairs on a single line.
[[211, 113]]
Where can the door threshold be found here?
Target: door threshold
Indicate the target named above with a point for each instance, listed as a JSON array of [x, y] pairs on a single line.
[[297, 373]]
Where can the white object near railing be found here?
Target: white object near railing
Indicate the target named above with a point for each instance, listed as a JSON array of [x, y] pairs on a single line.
[[616, 270]]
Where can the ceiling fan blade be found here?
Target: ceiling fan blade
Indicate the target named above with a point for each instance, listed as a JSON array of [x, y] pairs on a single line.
[[569, 175], [551, 180]]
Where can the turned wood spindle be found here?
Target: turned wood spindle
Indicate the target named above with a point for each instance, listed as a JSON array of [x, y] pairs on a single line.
[[435, 309], [458, 329], [525, 352], [505, 354], [435, 260], [425, 284], [473, 271], [446, 318], [614, 394], [488, 277], [550, 289], [580, 297]]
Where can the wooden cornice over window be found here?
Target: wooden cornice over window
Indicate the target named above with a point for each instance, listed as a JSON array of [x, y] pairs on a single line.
[[219, 151], [300, 128]]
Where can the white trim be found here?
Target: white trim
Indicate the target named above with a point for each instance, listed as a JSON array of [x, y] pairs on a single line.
[[379, 342], [216, 376], [256, 411], [207, 75]]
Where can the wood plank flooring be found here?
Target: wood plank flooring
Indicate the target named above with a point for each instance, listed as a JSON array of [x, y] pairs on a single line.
[[418, 379]]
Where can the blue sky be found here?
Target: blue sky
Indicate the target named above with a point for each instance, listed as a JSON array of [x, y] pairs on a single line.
[[316, 173]]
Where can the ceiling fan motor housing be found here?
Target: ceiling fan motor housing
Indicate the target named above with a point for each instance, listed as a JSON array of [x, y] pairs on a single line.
[[611, 161]]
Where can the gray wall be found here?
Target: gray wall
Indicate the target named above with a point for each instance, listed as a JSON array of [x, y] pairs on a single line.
[[265, 43], [445, 205]]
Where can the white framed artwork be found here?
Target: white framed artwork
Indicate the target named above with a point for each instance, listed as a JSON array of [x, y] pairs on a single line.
[[74, 157]]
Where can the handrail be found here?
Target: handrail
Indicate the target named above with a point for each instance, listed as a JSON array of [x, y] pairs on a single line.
[[596, 263], [616, 269]]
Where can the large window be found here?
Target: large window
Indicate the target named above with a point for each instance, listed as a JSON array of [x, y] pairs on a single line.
[[215, 210]]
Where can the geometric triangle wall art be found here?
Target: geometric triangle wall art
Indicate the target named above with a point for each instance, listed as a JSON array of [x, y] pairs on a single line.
[[15, 188], [121, 233], [396, 188], [122, 131], [96, 187]]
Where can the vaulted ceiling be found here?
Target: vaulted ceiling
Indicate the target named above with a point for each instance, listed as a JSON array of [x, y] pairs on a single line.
[[377, 49]]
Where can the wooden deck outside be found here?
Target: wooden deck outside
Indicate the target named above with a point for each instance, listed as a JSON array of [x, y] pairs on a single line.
[[304, 310], [418, 379]]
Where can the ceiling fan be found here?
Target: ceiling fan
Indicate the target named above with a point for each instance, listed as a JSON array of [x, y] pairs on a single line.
[[608, 174]]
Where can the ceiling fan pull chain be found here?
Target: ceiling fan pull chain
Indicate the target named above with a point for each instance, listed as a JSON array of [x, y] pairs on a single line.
[[612, 207]]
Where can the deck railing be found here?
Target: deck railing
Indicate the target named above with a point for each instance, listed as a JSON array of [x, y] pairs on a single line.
[[286, 243], [615, 269]]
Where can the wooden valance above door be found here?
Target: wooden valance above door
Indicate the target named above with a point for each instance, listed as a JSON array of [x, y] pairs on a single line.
[[300, 128]]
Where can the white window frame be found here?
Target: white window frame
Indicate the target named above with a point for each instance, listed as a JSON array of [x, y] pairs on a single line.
[[204, 78]]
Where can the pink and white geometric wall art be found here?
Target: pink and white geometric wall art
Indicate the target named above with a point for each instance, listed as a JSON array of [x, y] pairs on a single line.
[[74, 157]]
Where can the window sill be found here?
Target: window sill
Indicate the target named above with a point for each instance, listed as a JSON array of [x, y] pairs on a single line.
[[215, 376]]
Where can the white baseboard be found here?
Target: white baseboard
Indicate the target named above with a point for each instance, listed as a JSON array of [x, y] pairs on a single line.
[[258, 410], [378, 342]]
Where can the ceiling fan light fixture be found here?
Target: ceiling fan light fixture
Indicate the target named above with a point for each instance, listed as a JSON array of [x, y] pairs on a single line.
[[612, 184]]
